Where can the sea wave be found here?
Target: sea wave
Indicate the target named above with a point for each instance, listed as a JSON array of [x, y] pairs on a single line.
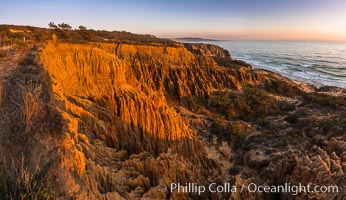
[[325, 65]]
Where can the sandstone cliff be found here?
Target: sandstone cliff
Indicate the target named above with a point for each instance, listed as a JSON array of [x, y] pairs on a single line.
[[119, 119]]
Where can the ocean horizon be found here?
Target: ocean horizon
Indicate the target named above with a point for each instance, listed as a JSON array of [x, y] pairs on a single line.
[[317, 63]]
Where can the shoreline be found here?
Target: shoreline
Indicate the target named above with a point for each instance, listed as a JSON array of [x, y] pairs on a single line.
[[313, 82], [301, 61]]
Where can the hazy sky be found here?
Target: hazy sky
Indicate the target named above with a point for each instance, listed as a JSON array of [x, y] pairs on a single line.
[[243, 19]]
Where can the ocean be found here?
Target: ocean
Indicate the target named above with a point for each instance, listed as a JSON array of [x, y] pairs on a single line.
[[318, 63]]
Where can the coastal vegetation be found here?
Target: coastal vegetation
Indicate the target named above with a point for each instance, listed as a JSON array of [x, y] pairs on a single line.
[[10, 34], [249, 104]]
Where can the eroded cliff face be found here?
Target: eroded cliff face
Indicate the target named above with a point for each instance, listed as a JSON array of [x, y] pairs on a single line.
[[130, 117], [178, 72], [207, 50], [114, 97], [144, 115], [121, 121]]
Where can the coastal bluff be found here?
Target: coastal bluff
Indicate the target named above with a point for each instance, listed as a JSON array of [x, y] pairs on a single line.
[[117, 119]]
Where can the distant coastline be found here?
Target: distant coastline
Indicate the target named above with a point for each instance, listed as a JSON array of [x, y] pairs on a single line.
[[196, 39]]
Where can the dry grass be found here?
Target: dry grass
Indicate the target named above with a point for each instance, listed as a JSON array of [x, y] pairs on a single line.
[[18, 182], [30, 104], [25, 114], [22, 106]]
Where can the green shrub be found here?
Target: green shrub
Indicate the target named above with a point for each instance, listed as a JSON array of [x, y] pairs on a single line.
[[324, 100], [281, 88], [235, 132], [234, 170], [249, 104], [192, 103]]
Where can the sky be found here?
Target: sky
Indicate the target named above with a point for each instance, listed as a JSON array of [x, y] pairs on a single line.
[[322, 20]]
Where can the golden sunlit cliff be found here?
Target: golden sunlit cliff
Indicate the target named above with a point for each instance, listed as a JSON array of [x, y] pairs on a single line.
[[115, 120]]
